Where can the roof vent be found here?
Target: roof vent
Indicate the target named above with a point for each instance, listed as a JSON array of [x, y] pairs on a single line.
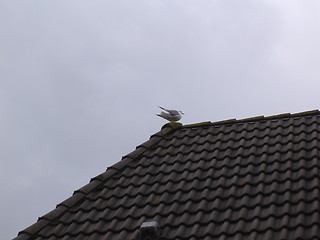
[[149, 231]]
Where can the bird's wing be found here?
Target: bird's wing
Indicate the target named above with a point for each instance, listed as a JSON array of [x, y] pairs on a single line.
[[171, 112], [174, 112]]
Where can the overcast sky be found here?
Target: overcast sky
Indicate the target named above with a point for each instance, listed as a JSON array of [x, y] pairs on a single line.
[[80, 82]]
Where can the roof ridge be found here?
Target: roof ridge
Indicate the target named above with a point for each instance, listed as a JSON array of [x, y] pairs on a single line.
[[253, 119], [79, 194]]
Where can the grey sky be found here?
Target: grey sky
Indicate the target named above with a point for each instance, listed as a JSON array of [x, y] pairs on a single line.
[[80, 82]]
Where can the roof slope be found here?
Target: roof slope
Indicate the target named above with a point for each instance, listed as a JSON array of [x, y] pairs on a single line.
[[247, 179]]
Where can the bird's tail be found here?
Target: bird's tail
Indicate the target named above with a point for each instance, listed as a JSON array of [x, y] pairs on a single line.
[[162, 108], [161, 115]]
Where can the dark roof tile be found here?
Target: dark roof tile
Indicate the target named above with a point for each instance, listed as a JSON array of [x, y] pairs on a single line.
[[54, 213]]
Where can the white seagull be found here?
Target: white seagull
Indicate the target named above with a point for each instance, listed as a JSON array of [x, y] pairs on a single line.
[[170, 115]]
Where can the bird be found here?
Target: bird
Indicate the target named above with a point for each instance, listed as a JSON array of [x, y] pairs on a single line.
[[170, 115]]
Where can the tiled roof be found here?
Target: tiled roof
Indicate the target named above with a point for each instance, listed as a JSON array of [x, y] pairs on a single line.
[[255, 178]]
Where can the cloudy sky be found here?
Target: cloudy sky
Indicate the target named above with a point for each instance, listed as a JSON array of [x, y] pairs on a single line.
[[80, 81]]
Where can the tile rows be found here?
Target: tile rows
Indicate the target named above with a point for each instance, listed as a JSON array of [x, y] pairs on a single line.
[[246, 180]]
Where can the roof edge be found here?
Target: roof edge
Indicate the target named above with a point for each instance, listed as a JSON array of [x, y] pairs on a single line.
[[94, 183], [254, 119]]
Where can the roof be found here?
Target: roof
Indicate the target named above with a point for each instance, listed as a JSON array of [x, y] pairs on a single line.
[[254, 178]]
